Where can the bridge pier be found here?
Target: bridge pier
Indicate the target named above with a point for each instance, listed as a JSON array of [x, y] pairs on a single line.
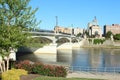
[[51, 48], [54, 41]]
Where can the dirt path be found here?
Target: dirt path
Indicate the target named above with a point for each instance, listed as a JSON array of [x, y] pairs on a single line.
[[29, 77]]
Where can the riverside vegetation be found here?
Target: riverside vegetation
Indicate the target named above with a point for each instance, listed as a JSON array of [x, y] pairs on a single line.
[[42, 69]]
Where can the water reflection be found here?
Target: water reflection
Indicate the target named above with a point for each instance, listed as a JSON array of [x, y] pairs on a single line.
[[95, 58], [64, 56], [80, 57]]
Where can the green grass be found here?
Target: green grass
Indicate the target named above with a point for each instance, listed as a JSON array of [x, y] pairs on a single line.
[[61, 78], [36, 45]]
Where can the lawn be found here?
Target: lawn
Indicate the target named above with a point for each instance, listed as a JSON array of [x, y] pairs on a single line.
[[60, 78]]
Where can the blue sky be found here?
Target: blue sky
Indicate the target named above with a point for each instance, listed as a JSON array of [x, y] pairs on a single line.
[[76, 12]]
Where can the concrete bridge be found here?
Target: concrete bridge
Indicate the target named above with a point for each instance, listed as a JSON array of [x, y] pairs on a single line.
[[55, 36], [52, 48]]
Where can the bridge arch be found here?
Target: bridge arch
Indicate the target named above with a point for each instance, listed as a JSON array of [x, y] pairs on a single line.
[[74, 40], [40, 39], [62, 40]]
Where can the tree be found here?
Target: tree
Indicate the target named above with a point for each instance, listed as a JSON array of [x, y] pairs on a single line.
[[15, 17], [79, 34], [17, 13], [117, 37], [108, 34]]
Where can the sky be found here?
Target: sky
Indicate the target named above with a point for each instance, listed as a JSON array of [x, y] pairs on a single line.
[[76, 13]]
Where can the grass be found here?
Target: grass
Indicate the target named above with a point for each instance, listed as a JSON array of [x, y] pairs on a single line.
[[61, 78], [36, 45]]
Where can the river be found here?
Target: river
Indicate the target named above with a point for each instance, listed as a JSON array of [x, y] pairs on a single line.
[[80, 57]]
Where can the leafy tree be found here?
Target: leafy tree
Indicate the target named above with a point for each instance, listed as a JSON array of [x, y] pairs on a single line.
[[87, 33], [17, 13], [15, 17], [79, 34], [108, 34], [117, 37]]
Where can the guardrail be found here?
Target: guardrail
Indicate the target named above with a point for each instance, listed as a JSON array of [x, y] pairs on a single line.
[[90, 69]]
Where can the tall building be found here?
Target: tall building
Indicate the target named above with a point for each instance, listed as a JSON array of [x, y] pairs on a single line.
[[94, 29], [114, 28]]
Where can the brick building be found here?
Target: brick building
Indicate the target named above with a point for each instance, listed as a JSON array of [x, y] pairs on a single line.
[[114, 28], [70, 30]]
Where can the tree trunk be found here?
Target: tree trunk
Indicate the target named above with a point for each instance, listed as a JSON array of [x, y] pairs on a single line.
[[7, 64], [3, 62], [1, 68]]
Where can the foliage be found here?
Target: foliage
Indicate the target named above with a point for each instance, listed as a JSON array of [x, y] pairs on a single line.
[[87, 33], [17, 13], [43, 69], [117, 37], [79, 34], [13, 74], [26, 65], [37, 42], [62, 40], [98, 41], [15, 17], [9, 37], [108, 34], [60, 78], [90, 40]]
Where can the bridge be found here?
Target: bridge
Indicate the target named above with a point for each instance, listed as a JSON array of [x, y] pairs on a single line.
[[51, 35], [52, 48]]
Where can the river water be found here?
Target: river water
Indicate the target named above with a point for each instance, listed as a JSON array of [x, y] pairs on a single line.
[[81, 58]]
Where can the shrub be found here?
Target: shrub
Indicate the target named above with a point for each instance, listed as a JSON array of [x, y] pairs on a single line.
[[37, 68], [117, 36], [42, 69], [50, 70], [26, 65], [13, 74], [98, 41], [90, 40]]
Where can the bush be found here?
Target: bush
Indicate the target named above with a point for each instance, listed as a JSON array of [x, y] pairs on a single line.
[[26, 65], [108, 34], [42, 69], [90, 40], [13, 74], [117, 37], [98, 41]]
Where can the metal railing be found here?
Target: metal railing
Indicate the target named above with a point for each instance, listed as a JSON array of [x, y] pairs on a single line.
[[90, 69]]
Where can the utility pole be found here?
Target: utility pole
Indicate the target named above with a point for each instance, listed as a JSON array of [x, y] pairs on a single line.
[[56, 20], [54, 41]]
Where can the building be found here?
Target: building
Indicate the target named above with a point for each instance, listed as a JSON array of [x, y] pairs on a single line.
[[77, 31], [73, 31], [59, 29], [94, 29], [114, 28]]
